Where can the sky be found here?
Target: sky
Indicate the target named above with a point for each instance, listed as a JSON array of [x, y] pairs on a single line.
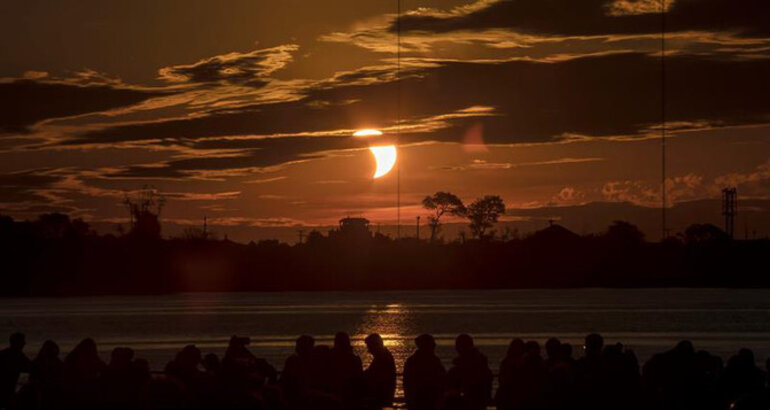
[[243, 111]]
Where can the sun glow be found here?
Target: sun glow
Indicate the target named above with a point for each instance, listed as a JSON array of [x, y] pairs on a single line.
[[367, 133], [385, 157]]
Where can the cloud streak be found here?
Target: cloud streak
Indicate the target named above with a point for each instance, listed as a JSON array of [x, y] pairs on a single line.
[[249, 69]]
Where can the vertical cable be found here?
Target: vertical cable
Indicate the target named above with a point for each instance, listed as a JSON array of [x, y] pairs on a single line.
[[663, 115], [398, 119]]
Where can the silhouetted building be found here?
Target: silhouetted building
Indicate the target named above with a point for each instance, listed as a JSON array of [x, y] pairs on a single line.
[[729, 209], [554, 234], [352, 225], [354, 228]]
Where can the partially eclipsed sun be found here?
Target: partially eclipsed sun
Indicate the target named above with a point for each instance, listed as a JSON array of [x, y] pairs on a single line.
[[385, 157]]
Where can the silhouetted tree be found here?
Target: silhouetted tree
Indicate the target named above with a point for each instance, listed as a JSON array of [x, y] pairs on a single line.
[[483, 213], [704, 233], [52, 225], [314, 237], [441, 203], [57, 225]]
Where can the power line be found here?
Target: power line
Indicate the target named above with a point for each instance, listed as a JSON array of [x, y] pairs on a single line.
[[398, 118], [663, 116]]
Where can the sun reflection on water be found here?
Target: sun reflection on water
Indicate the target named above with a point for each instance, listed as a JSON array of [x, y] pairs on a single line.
[[394, 323]]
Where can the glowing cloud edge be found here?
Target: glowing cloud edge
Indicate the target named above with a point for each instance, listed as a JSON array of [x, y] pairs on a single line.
[[367, 133]]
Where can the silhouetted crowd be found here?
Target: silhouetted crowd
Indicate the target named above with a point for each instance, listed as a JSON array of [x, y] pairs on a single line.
[[319, 377]]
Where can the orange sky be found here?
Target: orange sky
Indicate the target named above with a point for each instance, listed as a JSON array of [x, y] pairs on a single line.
[[243, 111]]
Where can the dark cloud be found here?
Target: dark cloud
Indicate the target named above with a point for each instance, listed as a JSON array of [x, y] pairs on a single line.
[[25, 186], [25, 102], [600, 96], [260, 153], [616, 94], [600, 17]]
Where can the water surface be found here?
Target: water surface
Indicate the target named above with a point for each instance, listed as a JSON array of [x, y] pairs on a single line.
[[647, 320]]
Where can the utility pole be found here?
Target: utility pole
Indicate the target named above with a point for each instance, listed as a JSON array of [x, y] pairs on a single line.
[[205, 228], [418, 228]]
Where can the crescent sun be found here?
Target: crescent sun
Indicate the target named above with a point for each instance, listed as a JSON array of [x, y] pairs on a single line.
[[385, 157]]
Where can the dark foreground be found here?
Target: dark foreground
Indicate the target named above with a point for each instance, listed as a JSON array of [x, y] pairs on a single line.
[[323, 377], [57, 256]]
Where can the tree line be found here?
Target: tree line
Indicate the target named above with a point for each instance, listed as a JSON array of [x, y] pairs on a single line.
[[57, 255]]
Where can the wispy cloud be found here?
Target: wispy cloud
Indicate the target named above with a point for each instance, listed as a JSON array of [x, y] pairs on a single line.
[[249, 69]]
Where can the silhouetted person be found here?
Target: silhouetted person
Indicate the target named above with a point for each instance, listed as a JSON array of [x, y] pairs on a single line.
[[566, 353], [672, 378], [380, 376], [757, 400], [742, 377], [243, 374], [347, 371], [185, 365], [620, 378], [424, 376], [510, 376], [553, 351], [531, 380], [240, 362], [470, 374], [13, 362], [82, 368], [297, 375], [210, 384], [589, 371], [322, 394], [117, 379], [592, 352], [45, 378], [560, 390]]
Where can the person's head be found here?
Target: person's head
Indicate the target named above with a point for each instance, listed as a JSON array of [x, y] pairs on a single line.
[[464, 344], [191, 354], [49, 351], [552, 348], [121, 356], [239, 342], [532, 348], [304, 345], [86, 348], [374, 343], [17, 341], [425, 343], [593, 344], [211, 362], [685, 347], [85, 356], [515, 348], [747, 356], [342, 342]]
